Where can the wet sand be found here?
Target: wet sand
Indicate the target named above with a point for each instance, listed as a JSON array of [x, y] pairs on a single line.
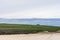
[[38, 36]]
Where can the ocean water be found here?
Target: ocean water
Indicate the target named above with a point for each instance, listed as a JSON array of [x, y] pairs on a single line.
[[51, 22]]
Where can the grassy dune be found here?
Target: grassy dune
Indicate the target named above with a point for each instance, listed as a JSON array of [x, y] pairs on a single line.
[[25, 29]]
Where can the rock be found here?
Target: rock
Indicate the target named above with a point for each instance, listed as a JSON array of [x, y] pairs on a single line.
[[45, 31], [58, 31]]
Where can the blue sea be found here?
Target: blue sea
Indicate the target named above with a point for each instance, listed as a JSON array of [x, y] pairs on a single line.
[[51, 22]]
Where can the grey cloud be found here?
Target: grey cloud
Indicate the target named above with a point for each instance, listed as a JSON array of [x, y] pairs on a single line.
[[7, 6]]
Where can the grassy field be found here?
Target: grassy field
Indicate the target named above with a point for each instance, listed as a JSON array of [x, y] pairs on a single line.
[[25, 29]]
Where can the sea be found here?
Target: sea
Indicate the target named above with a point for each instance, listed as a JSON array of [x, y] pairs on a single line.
[[33, 21]]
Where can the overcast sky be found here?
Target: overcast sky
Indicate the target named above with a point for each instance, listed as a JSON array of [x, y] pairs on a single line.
[[29, 8]]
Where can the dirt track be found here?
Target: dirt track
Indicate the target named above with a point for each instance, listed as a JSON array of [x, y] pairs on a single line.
[[51, 36]]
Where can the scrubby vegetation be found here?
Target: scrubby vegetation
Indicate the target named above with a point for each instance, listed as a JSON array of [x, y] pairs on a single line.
[[25, 29]]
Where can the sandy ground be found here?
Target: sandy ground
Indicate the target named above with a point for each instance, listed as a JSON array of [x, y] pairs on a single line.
[[40, 36]]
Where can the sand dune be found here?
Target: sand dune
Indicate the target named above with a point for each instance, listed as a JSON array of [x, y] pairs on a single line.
[[50, 36]]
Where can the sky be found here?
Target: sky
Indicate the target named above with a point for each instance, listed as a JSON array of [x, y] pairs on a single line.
[[29, 8]]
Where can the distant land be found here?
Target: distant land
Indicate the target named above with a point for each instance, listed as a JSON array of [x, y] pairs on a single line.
[[33, 21]]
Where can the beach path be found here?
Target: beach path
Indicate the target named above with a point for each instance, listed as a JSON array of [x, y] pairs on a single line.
[[54, 36]]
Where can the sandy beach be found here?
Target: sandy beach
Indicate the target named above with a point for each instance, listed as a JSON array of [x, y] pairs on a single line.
[[39, 36]]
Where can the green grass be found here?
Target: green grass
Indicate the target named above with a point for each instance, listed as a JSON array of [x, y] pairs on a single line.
[[28, 28]]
